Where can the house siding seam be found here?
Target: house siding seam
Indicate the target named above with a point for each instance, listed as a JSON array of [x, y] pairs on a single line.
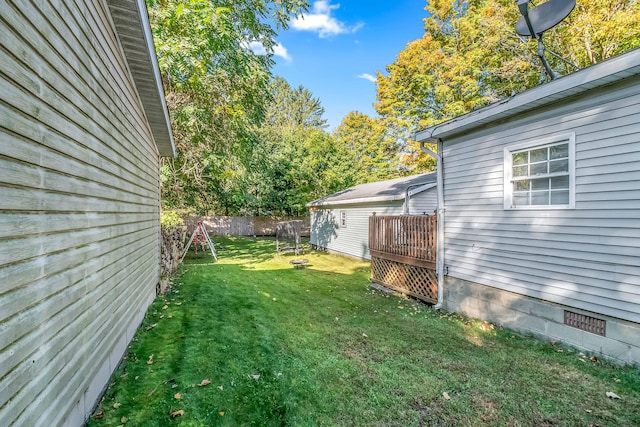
[[585, 258], [79, 210]]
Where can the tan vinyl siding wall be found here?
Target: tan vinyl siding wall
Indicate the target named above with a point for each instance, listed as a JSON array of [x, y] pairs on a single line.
[[353, 240], [79, 210], [587, 257]]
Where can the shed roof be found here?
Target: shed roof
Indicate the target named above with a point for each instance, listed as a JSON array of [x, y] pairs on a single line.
[[381, 191], [601, 74], [134, 32]]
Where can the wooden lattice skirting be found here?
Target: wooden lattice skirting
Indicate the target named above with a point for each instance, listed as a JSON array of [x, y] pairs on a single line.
[[420, 282]]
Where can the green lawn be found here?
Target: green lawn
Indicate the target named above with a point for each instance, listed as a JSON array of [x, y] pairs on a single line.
[[317, 346]]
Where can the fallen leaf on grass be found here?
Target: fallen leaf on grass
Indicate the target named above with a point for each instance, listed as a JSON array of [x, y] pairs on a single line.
[[220, 388], [594, 358], [116, 405], [169, 316], [174, 386], [204, 383], [588, 411], [99, 415], [164, 307], [150, 361], [221, 413], [177, 396], [150, 327], [446, 396], [177, 303], [612, 395], [123, 420], [255, 377], [176, 413]]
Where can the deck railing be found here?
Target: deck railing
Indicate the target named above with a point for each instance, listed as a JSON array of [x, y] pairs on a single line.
[[411, 237], [403, 254]]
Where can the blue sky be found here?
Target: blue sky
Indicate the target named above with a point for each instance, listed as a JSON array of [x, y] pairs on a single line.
[[337, 48]]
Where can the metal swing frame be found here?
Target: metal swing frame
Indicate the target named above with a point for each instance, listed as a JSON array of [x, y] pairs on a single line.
[[200, 233]]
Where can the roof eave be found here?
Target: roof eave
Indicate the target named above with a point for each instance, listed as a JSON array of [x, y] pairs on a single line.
[[131, 21], [601, 74], [375, 199], [317, 203]]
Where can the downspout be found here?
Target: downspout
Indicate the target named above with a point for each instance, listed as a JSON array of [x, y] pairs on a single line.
[[405, 209], [440, 218]]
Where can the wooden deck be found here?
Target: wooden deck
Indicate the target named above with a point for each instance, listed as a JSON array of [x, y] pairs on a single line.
[[403, 254]]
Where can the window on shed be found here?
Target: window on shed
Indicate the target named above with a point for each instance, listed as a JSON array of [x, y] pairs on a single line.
[[540, 174], [343, 219]]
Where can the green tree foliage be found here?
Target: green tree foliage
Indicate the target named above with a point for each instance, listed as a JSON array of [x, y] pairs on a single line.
[[296, 160], [373, 147], [293, 107], [295, 165], [470, 56], [216, 90]]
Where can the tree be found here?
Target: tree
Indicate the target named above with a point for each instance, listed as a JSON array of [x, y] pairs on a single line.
[[293, 107], [373, 148], [470, 56], [216, 87], [296, 161]]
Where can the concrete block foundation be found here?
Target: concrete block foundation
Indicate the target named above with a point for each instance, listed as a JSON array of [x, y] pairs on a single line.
[[621, 343]]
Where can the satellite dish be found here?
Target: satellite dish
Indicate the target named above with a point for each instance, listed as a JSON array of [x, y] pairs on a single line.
[[544, 17], [536, 21]]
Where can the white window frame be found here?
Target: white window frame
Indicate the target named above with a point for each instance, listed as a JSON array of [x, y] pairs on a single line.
[[570, 138], [343, 219]]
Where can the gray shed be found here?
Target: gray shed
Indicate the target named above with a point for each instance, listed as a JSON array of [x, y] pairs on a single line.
[[541, 213], [340, 221], [83, 124]]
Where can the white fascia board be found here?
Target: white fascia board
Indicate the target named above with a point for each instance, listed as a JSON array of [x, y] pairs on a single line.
[[371, 199], [355, 201], [169, 148], [133, 30], [423, 188], [601, 74]]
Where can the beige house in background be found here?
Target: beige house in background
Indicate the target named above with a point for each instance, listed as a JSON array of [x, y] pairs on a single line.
[[83, 124]]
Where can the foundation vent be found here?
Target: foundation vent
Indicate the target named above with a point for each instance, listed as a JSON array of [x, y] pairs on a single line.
[[585, 323]]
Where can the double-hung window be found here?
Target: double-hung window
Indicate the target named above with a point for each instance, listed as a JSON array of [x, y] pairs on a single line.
[[343, 219], [540, 174]]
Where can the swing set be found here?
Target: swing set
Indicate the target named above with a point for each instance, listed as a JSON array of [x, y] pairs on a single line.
[[200, 239]]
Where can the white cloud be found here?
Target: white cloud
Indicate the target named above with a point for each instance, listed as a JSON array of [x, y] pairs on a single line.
[[278, 50], [281, 51], [367, 77], [320, 21], [257, 48]]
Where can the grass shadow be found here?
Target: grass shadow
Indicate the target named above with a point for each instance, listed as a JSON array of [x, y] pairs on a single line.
[[317, 346]]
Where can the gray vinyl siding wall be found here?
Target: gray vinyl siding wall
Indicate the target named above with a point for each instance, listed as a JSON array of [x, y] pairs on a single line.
[[424, 203], [587, 257], [353, 240], [79, 210]]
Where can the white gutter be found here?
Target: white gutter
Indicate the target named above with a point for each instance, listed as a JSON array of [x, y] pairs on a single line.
[[408, 194], [392, 198], [440, 217]]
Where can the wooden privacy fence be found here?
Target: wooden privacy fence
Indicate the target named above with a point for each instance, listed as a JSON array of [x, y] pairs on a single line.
[[243, 225], [403, 254]]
